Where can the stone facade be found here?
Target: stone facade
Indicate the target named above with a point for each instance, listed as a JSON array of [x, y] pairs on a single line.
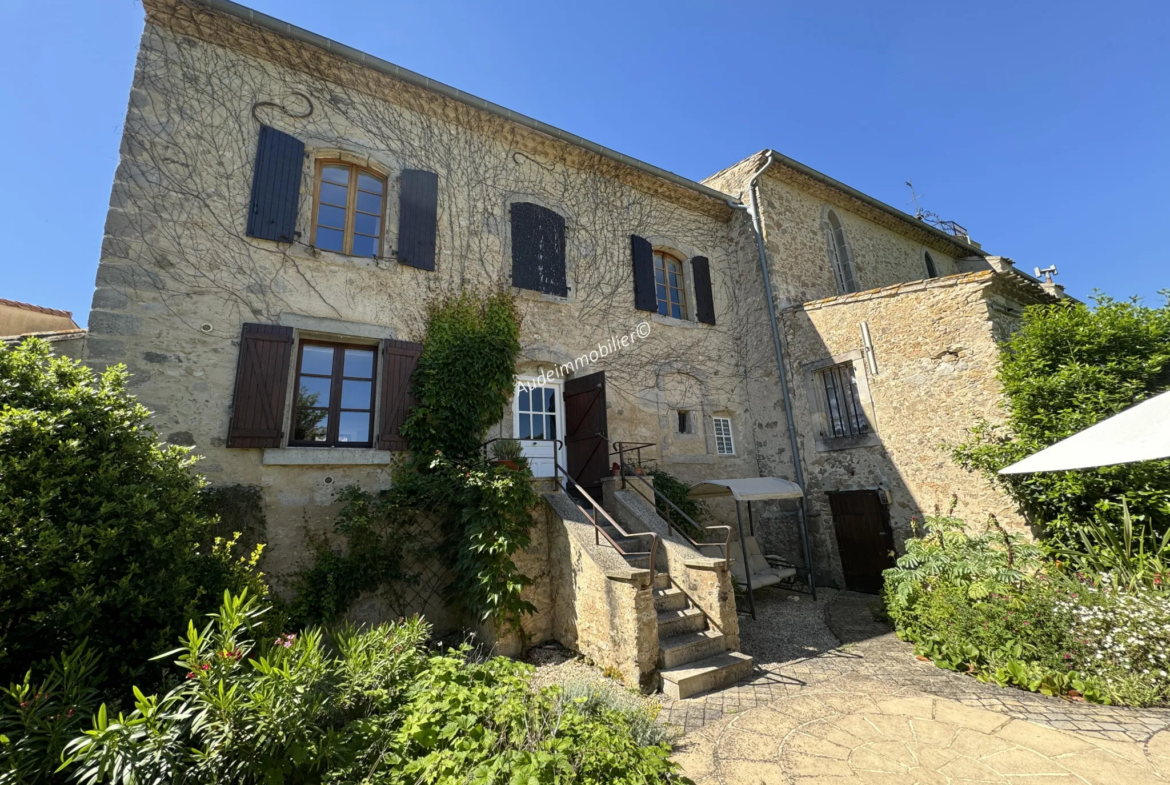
[[178, 278]]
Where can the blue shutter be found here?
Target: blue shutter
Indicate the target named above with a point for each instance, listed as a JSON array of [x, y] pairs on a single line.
[[276, 186], [704, 302], [418, 204], [643, 254]]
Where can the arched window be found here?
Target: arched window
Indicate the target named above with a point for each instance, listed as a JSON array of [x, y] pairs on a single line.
[[839, 256], [931, 267], [669, 287]]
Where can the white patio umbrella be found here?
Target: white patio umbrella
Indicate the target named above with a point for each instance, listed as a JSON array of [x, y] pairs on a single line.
[[1139, 433]]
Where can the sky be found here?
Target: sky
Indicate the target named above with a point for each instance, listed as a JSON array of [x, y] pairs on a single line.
[[1042, 127]]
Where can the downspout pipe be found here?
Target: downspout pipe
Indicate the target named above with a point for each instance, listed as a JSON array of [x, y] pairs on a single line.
[[753, 209]]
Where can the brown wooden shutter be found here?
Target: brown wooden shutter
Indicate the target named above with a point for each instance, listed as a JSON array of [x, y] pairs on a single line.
[[261, 386], [418, 205], [399, 359], [643, 255], [276, 186], [704, 301]]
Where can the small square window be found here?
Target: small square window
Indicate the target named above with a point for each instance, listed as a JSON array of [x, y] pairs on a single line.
[[724, 444]]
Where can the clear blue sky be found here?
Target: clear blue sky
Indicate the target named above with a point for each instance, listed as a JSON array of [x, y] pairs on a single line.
[[1042, 127]]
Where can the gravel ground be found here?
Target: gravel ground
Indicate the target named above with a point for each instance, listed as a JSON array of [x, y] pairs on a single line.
[[788, 626], [557, 665]]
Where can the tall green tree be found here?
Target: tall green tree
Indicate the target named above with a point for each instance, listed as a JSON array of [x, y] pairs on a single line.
[[1068, 367]]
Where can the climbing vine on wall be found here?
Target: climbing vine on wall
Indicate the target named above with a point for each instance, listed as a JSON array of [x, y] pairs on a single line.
[[482, 511]]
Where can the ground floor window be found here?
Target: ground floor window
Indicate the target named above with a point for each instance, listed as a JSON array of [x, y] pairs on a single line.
[[334, 402], [724, 444]]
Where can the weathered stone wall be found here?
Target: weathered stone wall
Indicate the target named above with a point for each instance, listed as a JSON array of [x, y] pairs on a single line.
[[935, 348], [178, 277]]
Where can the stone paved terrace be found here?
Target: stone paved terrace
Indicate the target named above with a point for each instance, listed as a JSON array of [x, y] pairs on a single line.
[[837, 696]]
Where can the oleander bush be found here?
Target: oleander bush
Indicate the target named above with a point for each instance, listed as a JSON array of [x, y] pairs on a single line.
[[1001, 609], [360, 706]]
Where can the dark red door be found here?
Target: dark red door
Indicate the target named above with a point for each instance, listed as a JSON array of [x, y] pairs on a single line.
[[864, 538], [586, 447]]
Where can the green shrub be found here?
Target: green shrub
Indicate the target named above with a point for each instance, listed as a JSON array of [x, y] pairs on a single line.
[[102, 530], [676, 490], [37, 719], [368, 707], [990, 605], [464, 379], [1069, 367]]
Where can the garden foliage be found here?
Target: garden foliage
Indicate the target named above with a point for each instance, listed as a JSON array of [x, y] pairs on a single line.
[[360, 707], [103, 533], [993, 605], [1069, 367], [463, 382]]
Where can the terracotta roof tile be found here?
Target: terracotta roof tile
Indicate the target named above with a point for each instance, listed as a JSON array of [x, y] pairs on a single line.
[[37, 308]]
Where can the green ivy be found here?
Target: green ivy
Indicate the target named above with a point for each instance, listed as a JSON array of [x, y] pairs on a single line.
[[463, 382], [1068, 367]]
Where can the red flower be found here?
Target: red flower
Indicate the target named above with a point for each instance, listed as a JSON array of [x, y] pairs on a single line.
[[191, 675], [205, 666]]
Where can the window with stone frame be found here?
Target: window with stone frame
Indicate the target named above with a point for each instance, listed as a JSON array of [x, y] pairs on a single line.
[[724, 443], [334, 402], [839, 256], [669, 285], [844, 415], [348, 209]]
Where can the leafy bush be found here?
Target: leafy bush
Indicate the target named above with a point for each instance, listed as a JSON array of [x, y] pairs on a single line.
[[1069, 367], [464, 379], [38, 719], [990, 605], [676, 490], [101, 526], [369, 707]]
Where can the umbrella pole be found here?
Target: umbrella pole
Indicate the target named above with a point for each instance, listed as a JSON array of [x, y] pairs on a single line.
[[812, 581], [747, 571]]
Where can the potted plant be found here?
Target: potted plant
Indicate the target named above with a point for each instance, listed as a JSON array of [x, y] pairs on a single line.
[[507, 452]]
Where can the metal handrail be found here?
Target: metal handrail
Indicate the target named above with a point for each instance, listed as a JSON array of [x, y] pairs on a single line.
[[670, 526], [624, 447], [598, 532]]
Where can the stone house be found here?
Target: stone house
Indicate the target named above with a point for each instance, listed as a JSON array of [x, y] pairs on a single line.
[[286, 207], [20, 320]]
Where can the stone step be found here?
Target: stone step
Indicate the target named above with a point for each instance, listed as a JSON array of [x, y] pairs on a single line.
[[694, 646], [712, 673], [672, 623], [662, 580], [670, 599], [640, 562]]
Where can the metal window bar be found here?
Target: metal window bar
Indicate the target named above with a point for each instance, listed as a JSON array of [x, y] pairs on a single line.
[[845, 415]]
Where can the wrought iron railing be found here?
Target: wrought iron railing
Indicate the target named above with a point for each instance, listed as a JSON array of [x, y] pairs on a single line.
[[599, 532], [673, 528], [556, 443]]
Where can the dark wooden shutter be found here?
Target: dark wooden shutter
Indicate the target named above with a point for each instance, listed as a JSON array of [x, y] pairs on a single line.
[[538, 249], [276, 186], [704, 302], [586, 443], [261, 386], [643, 254], [399, 359], [418, 206]]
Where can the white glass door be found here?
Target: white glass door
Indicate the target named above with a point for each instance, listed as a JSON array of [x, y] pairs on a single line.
[[537, 420]]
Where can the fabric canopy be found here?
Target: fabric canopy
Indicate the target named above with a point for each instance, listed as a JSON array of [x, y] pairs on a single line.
[[1140, 433], [749, 489]]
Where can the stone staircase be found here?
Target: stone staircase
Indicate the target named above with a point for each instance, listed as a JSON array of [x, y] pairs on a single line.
[[692, 658]]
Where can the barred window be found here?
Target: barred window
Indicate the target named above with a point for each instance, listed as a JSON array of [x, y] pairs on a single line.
[[843, 411], [724, 444]]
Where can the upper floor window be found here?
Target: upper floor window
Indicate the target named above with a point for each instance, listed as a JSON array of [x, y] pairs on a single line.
[[843, 413], [347, 215], [669, 287], [931, 267], [724, 444], [538, 249], [839, 255], [334, 403]]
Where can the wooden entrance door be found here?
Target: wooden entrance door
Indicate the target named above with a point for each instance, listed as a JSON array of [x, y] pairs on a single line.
[[586, 445], [864, 538]]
